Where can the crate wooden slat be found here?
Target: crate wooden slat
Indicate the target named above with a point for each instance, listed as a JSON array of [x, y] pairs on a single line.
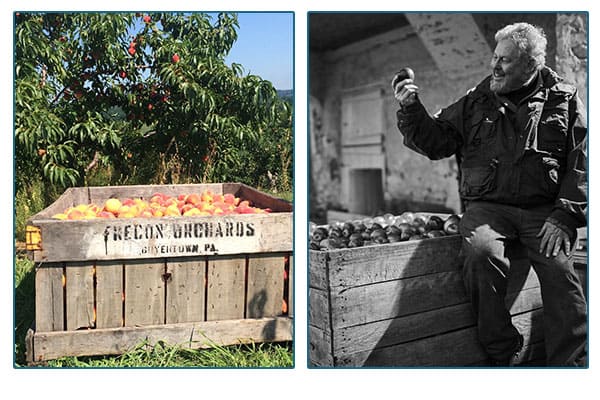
[[404, 304], [144, 293], [186, 290], [137, 238], [104, 278], [265, 285], [290, 298], [49, 298], [226, 278], [79, 295], [194, 335], [109, 294]]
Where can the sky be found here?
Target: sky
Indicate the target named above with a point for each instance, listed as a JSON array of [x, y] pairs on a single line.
[[265, 46]]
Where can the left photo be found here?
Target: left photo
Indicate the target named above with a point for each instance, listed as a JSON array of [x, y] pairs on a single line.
[[153, 189]]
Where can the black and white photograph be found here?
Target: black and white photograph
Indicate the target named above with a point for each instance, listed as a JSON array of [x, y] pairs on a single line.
[[448, 189]]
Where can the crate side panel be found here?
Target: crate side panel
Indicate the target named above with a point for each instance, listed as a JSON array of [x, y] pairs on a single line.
[[263, 200], [265, 285], [291, 286], [319, 309], [109, 294], [186, 289], [357, 338], [144, 293], [79, 278], [370, 264], [453, 349], [49, 297], [412, 327], [225, 288], [384, 300], [51, 345], [136, 238], [64, 201], [317, 269], [319, 347]]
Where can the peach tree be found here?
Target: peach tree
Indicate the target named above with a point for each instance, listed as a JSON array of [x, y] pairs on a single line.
[[137, 90]]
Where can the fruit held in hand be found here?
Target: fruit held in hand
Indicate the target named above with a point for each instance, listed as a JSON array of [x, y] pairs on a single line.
[[404, 73]]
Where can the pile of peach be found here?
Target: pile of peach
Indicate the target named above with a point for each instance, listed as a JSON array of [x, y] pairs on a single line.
[[161, 205]]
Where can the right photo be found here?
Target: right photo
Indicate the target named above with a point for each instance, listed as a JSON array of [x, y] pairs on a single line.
[[448, 190]]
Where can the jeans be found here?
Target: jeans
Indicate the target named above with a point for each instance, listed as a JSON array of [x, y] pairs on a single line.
[[487, 230]]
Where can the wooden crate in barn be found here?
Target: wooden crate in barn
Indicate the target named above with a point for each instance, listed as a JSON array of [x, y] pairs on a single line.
[[404, 305], [104, 285]]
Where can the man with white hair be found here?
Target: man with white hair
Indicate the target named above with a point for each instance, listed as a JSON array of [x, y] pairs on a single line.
[[521, 139]]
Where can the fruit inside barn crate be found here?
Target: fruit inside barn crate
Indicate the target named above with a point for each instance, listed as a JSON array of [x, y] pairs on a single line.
[[382, 229], [378, 298]]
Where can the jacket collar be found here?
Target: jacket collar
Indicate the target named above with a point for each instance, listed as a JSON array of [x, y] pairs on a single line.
[[546, 79]]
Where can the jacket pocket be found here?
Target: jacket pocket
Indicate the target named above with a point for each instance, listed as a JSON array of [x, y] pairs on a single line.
[[481, 131], [476, 181], [552, 136], [550, 171]]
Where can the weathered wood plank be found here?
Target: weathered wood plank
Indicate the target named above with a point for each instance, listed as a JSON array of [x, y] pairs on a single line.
[[384, 300], [358, 338], [186, 290], [456, 348], [225, 292], [319, 309], [372, 264], [317, 269], [320, 350], [109, 294], [421, 325], [49, 297], [291, 287], [263, 200], [47, 346], [144, 293], [265, 285], [366, 303], [79, 292], [63, 202], [138, 238]]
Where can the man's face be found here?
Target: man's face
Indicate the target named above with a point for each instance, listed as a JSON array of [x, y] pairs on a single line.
[[509, 70]]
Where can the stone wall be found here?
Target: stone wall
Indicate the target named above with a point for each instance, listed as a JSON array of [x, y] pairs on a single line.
[[572, 51]]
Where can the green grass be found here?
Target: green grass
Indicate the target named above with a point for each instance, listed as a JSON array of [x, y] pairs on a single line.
[[161, 355]]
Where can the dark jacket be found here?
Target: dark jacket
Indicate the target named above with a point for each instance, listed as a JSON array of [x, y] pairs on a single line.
[[525, 155]]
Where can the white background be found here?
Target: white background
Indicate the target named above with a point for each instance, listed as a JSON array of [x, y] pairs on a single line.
[[299, 382]]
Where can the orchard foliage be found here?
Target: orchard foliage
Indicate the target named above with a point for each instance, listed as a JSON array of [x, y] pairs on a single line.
[[143, 94]]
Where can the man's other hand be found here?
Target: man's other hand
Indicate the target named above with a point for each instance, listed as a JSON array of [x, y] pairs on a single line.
[[553, 238]]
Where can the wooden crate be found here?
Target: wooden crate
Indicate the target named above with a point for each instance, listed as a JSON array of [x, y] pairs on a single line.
[[404, 305], [104, 285]]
